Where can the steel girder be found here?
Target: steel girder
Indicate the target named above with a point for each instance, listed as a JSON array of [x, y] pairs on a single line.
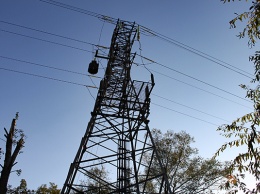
[[117, 137]]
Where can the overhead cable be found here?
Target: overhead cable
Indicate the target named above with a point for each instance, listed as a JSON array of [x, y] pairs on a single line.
[[46, 66], [200, 53], [45, 77], [184, 114], [199, 88], [43, 40], [49, 33], [169, 100], [196, 79], [145, 30], [79, 73], [74, 83], [191, 77], [83, 11], [137, 54]]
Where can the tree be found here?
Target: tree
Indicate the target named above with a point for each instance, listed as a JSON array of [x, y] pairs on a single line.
[[14, 139], [244, 131], [23, 185], [21, 189], [43, 189], [93, 184], [188, 173], [251, 30], [52, 189]]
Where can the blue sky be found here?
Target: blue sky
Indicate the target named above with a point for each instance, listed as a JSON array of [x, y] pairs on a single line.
[[54, 115]]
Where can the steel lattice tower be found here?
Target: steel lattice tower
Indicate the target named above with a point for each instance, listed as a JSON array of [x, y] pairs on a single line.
[[117, 136]]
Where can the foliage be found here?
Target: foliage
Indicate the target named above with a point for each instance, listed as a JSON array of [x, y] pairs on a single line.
[[244, 131], [256, 60], [14, 139], [52, 189], [188, 173], [23, 186], [43, 189], [95, 183], [1, 152], [251, 30]]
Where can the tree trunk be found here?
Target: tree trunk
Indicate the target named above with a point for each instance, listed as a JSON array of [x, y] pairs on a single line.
[[10, 158]]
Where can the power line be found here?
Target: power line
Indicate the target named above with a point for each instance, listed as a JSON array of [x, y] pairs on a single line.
[[151, 70], [186, 47], [43, 40], [199, 88], [92, 86], [196, 79], [199, 53], [78, 73], [45, 77], [55, 68], [50, 67], [146, 30], [83, 11], [202, 82], [138, 55], [51, 78], [49, 33], [45, 66], [169, 100], [74, 83], [40, 65], [185, 114], [91, 94]]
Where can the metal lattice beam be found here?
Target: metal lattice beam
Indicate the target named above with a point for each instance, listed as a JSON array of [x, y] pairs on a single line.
[[117, 136]]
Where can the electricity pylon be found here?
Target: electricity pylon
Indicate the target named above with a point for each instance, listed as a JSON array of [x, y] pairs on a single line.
[[117, 137]]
